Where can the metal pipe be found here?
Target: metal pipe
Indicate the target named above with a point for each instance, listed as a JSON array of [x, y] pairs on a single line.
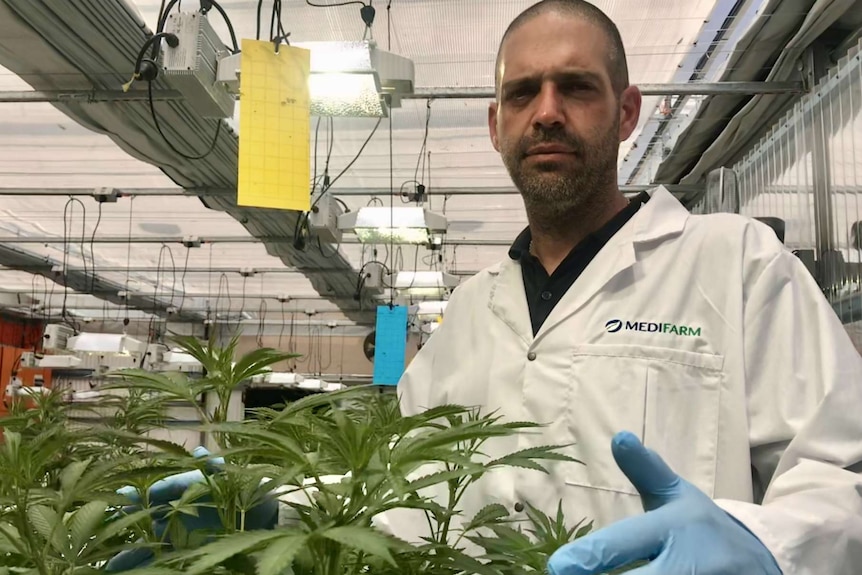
[[436, 93], [671, 89], [84, 96], [199, 270], [338, 192], [218, 240]]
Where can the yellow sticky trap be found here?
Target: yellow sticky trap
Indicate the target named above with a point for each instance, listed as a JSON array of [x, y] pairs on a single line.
[[274, 127]]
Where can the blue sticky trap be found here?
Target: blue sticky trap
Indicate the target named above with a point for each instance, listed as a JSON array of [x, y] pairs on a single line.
[[390, 344]]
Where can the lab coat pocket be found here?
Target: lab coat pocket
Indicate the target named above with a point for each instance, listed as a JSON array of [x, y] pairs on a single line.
[[668, 397]]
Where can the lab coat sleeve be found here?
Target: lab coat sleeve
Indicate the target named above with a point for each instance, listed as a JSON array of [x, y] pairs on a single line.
[[804, 386]]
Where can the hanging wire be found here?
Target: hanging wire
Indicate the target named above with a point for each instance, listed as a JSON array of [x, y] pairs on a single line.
[[93, 247], [261, 321], [391, 201], [183, 281], [281, 334], [129, 257]]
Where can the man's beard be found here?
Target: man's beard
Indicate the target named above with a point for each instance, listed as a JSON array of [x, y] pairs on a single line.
[[553, 192]]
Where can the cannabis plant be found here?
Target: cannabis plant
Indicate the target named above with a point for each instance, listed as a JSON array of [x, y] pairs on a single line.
[[339, 463]]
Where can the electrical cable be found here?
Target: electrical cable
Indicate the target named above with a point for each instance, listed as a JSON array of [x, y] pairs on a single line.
[[229, 24], [389, 25], [257, 20], [183, 281], [93, 247], [165, 138], [281, 333], [391, 202], [261, 319], [420, 160], [356, 157]]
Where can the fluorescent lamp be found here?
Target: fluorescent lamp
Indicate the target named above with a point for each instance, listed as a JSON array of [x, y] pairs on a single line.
[[422, 283], [402, 225]]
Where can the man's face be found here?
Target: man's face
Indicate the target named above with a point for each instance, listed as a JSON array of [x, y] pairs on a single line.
[[557, 122]]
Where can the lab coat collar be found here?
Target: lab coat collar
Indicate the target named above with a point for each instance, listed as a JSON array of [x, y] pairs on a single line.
[[659, 218]]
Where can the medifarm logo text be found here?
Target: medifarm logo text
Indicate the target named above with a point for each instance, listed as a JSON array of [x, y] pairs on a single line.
[[615, 325]]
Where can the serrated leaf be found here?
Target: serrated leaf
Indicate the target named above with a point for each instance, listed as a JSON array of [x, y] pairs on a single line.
[[465, 563], [216, 552], [84, 522], [48, 524], [363, 539], [279, 554], [71, 474], [119, 525], [489, 514], [442, 477]]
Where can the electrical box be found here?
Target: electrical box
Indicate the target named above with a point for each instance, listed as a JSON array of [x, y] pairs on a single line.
[[56, 336], [323, 219], [373, 272], [191, 67]]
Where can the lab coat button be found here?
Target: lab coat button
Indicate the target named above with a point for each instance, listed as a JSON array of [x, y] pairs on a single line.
[[519, 507], [531, 356]]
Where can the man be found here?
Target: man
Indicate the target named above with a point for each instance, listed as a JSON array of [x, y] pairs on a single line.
[[700, 336]]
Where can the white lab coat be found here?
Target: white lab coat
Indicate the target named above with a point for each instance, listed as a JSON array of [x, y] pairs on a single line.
[[700, 334]]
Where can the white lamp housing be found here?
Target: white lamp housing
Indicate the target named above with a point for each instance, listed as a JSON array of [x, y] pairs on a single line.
[[430, 310], [346, 78], [422, 283], [106, 343], [401, 225], [282, 378]]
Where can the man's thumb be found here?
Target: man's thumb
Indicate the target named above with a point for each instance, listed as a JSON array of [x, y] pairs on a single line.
[[651, 476]]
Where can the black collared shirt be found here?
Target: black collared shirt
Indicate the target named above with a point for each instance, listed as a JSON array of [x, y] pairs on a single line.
[[544, 292]]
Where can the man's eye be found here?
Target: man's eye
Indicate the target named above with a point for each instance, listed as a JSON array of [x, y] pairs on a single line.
[[516, 95]]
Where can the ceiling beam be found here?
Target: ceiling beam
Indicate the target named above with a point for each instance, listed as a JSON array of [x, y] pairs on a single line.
[[19, 259]]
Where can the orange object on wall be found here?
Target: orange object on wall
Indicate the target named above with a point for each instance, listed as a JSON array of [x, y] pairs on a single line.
[[22, 333]]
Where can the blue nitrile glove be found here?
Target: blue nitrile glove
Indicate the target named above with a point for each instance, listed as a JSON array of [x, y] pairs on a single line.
[[264, 516], [682, 531]]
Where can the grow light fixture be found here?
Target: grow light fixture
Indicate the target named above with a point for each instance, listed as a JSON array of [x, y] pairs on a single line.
[[346, 78], [430, 310], [350, 78], [106, 343], [400, 225], [422, 283]]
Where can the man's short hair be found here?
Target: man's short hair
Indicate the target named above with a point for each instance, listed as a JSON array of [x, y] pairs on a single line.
[[616, 56]]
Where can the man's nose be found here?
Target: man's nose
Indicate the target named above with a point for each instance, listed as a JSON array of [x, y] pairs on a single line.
[[549, 108]]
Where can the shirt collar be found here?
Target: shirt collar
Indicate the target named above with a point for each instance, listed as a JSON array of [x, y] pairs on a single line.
[[520, 248]]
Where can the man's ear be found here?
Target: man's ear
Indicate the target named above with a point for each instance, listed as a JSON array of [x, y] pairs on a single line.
[[492, 125], [630, 111]]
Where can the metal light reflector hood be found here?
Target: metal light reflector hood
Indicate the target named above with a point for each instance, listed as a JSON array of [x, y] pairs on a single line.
[[349, 78], [422, 283], [401, 225]]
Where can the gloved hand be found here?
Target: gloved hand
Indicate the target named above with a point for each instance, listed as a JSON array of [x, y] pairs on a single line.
[[682, 531], [171, 488]]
